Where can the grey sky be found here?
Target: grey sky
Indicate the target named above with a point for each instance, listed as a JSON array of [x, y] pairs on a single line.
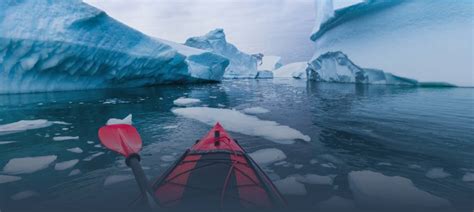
[[274, 27]]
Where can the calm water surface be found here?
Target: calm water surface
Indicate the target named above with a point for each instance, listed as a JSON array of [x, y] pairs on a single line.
[[395, 131]]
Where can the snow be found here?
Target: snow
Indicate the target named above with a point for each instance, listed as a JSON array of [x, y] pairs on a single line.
[[372, 189], [8, 178], [468, 177], [336, 203], [65, 138], [24, 195], [6, 142], [242, 65], [182, 101], [293, 70], [236, 121], [290, 186], [437, 173], [315, 179], [28, 165], [65, 165], [70, 45], [255, 110], [126, 120], [110, 180], [24, 125], [93, 156], [74, 172], [75, 150], [267, 156], [270, 63]]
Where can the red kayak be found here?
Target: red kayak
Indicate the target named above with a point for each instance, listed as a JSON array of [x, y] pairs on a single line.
[[216, 173]]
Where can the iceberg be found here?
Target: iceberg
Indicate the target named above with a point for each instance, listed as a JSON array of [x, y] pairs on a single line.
[[69, 45], [242, 65], [264, 75], [270, 63], [293, 70], [337, 67], [426, 40]]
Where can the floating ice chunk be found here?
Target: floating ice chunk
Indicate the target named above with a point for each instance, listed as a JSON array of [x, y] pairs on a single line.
[[126, 120], [28, 165], [115, 101], [292, 70], [280, 163], [8, 179], [267, 156], [24, 195], [328, 165], [66, 165], [116, 179], [313, 161], [168, 158], [238, 122], [437, 173], [264, 75], [24, 125], [6, 142], [90, 142], [336, 203], [181, 101], [373, 189], [270, 63], [75, 150], [298, 166], [65, 138], [290, 186], [414, 166], [170, 127], [93, 156], [61, 123], [468, 177], [315, 179], [255, 110], [74, 172]]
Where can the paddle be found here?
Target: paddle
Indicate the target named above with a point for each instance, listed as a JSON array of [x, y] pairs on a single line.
[[125, 140]]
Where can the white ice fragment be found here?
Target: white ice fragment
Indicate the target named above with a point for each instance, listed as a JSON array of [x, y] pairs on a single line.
[[28, 165], [65, 138], [23, 195], [114, 101], [255, 110], [182, 101], [236, 121], [24, 125], [384, 164], [372, 189], [298, 166], [74, 172], [66, 165], [170, 127], [90, 142], [468, 177], [168, 158], [313, 161], [267, 156], [315, 179], [437, 173], [75, 150], [8, 178], [414, 166], [126, 120], [93, 156], [290, 186], [328, 165], [116, 179], [6, 142]]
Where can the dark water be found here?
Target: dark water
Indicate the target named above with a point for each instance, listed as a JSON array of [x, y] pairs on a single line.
[[395, 131]]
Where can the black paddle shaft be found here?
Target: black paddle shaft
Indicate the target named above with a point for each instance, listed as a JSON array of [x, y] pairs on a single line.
[[133, 161]]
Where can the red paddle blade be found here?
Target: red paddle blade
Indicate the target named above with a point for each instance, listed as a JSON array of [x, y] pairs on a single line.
[[121, 138]]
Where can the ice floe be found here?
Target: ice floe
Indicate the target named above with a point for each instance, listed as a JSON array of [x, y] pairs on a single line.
[[437, 173], [372, 189], [66, 165], [24, 125], [93, 156], [290, 186], [126, 120], [186, 101], [315, 179], [65, 138], [236, 121], [468, 177], [267, 156], [75, 150], [74, 172], [23, 195], [255, 110], [116, 179], [8, 178], [28, 165]]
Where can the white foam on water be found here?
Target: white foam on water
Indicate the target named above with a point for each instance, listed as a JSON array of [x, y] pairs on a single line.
[[28, 165], [315, 179], [126, 120], [236, 121], [437, 173], [6, 142], [255, 110], [182, 101], [110, 180], [8, 178], [66, 165], [290, 186], [75, 150], [267, 156], [468, 177], [65, 138], [23, 195], [372, 189], [74, 172], [93, 156]]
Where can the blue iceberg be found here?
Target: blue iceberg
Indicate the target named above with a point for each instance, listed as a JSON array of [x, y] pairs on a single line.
[[69, 45]]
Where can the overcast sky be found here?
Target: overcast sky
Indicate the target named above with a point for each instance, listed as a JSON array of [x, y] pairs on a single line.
[[274, 27]]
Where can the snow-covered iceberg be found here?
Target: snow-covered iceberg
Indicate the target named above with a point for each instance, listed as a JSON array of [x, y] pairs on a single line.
[[242, 65], [337, 67], [425, 40], [70, 45], [270, 63]]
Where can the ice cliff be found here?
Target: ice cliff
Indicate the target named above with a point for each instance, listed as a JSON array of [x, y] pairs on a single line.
[[69, 45], [242, 65], [424, 40]]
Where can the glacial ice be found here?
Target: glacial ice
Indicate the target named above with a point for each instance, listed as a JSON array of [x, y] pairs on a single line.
[[264, 75], [437, 173], [290, 186], [77, 150], [270, 63], [65, 138], [8, 178], [65, 165], [242, 65], [24, 125], [255, 110], [337, 67], [93, 156], [296, 70], [430, 41], [28, 165], [182, 101], [74, 172], [267, 156], [126, 120], [70, 45]]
